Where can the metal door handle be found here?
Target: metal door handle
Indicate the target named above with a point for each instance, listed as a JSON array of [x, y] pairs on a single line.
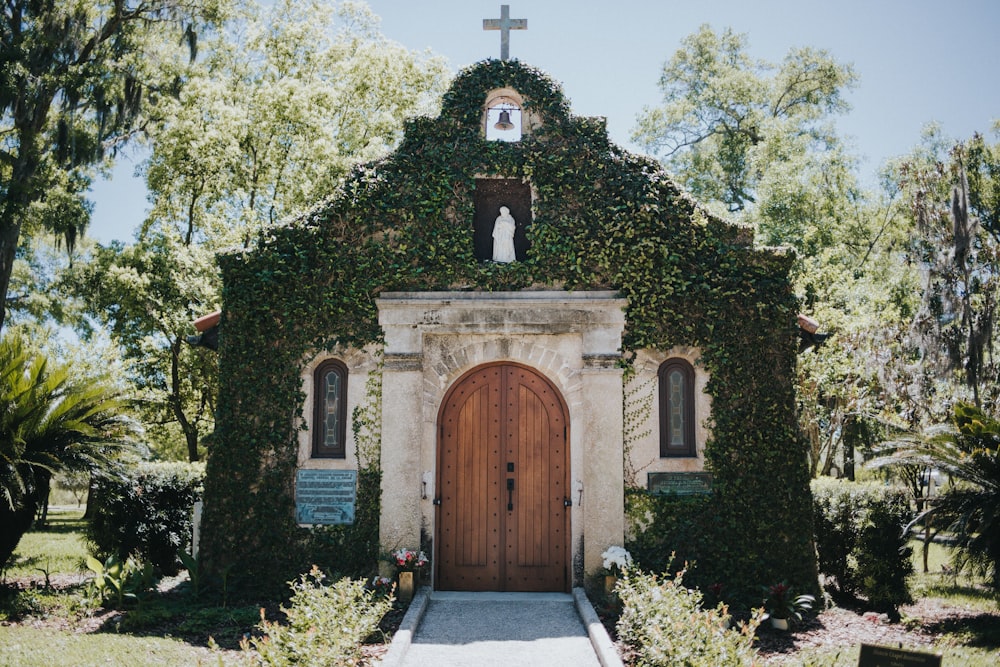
[[510, 495]]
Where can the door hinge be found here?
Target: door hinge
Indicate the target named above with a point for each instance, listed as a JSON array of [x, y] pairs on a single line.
[[567, 502], [437, 501]]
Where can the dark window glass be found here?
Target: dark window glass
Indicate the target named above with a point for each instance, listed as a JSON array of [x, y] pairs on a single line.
[[676, 379], [330, 414]]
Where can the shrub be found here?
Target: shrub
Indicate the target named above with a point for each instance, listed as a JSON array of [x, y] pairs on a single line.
[[663, 623], [861, 540], [884, 559], [145, 511], [115, 583], [326, 624]]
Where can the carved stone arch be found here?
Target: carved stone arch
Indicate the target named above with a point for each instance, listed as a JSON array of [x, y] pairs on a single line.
[[531, 353]]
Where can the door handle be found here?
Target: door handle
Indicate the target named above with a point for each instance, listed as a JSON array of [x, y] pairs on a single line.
[[510, 494]]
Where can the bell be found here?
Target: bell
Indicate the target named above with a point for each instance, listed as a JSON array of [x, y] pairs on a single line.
[[504, 123]]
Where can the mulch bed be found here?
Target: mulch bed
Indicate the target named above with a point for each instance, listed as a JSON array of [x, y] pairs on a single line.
[[840, 628]]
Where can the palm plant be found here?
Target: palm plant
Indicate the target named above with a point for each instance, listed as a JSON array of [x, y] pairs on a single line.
[[49, 421], [968, 451]]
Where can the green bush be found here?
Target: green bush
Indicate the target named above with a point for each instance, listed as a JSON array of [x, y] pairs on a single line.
[[860, 537], [663, 623], [145, 511], [326, 624], [665, 528]]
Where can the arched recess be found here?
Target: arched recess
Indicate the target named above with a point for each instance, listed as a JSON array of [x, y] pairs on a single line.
[[502, 520], [509, 101]]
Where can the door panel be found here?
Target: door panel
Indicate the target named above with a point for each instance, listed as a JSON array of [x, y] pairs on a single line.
[[469, 487], [502, 480]]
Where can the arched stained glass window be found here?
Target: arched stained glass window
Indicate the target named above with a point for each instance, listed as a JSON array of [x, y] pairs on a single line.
[[330, 414], [676, 379]]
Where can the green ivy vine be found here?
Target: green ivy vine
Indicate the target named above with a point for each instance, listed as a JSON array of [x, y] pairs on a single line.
[[602, 219]]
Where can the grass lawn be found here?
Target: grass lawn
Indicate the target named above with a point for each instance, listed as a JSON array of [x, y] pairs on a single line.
[[59, 549], [24, 645], [57, 624]]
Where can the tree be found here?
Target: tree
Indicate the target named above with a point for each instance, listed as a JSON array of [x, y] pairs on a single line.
[[953, 190], [50, 421], [968, 452], [77, 78], [754, 140], [285, 102], [36, 295], [147, 294], [727, 125], [276, 111]]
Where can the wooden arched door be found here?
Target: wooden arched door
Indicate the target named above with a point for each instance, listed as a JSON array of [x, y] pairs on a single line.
[[502, 520]]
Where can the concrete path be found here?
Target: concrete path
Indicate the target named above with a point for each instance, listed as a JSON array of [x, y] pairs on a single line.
[[447, 629]]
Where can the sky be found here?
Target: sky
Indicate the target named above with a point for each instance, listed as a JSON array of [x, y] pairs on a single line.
[[919, 61]]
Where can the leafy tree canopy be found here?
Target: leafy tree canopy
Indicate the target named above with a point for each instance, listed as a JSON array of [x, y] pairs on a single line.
[[278, 107], [287, 99], [953, 192], [732, 126], [77, 79]]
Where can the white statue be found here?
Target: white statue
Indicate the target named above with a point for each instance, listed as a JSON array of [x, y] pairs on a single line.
[[503, 237]]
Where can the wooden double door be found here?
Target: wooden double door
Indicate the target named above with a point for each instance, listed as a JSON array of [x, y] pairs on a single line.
[[502, 507]]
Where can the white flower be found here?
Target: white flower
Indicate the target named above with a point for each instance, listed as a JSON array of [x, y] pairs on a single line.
[[616, 558]]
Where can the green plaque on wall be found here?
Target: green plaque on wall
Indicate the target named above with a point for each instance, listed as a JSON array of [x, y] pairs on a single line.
[[325, 497], [680, 483]]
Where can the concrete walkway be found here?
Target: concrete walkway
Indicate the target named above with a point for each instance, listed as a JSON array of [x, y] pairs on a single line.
[[448, 629]]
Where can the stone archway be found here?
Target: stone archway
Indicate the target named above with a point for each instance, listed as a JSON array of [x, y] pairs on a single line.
[[502, 506], [569, 340]]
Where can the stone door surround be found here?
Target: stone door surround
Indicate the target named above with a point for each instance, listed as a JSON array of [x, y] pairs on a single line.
[[572, 338]]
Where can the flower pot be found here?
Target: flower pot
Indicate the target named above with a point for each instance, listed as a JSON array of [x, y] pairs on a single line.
[[779, 623], [405, 592], [610, 581]]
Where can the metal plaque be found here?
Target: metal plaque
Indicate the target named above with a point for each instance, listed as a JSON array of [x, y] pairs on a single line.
[[325, 497], [680, 483], [884, 656]]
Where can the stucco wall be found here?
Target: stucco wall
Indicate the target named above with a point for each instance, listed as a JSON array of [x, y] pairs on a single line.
[[642, 394]]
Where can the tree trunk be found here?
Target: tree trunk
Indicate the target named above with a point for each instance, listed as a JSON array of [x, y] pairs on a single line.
[[10, 232], [43, 479], [22, 189], [91, 508], [14, 523], [190, 430]]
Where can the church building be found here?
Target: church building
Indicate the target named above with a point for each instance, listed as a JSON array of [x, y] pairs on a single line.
[[511, 344]]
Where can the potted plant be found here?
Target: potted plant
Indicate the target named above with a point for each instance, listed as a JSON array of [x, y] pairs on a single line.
[[407, 562], [783, 605], [616, 560]]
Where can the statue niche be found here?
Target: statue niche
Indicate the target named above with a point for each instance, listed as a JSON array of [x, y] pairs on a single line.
[[491, 195]]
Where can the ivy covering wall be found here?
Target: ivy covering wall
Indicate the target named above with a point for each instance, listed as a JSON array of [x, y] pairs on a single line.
[[602, 219]]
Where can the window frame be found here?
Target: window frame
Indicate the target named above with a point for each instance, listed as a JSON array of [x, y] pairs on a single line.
[[319, 449], [689, 448]]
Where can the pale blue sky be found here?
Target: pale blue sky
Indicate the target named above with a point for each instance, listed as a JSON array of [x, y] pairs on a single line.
[[919, 61]]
